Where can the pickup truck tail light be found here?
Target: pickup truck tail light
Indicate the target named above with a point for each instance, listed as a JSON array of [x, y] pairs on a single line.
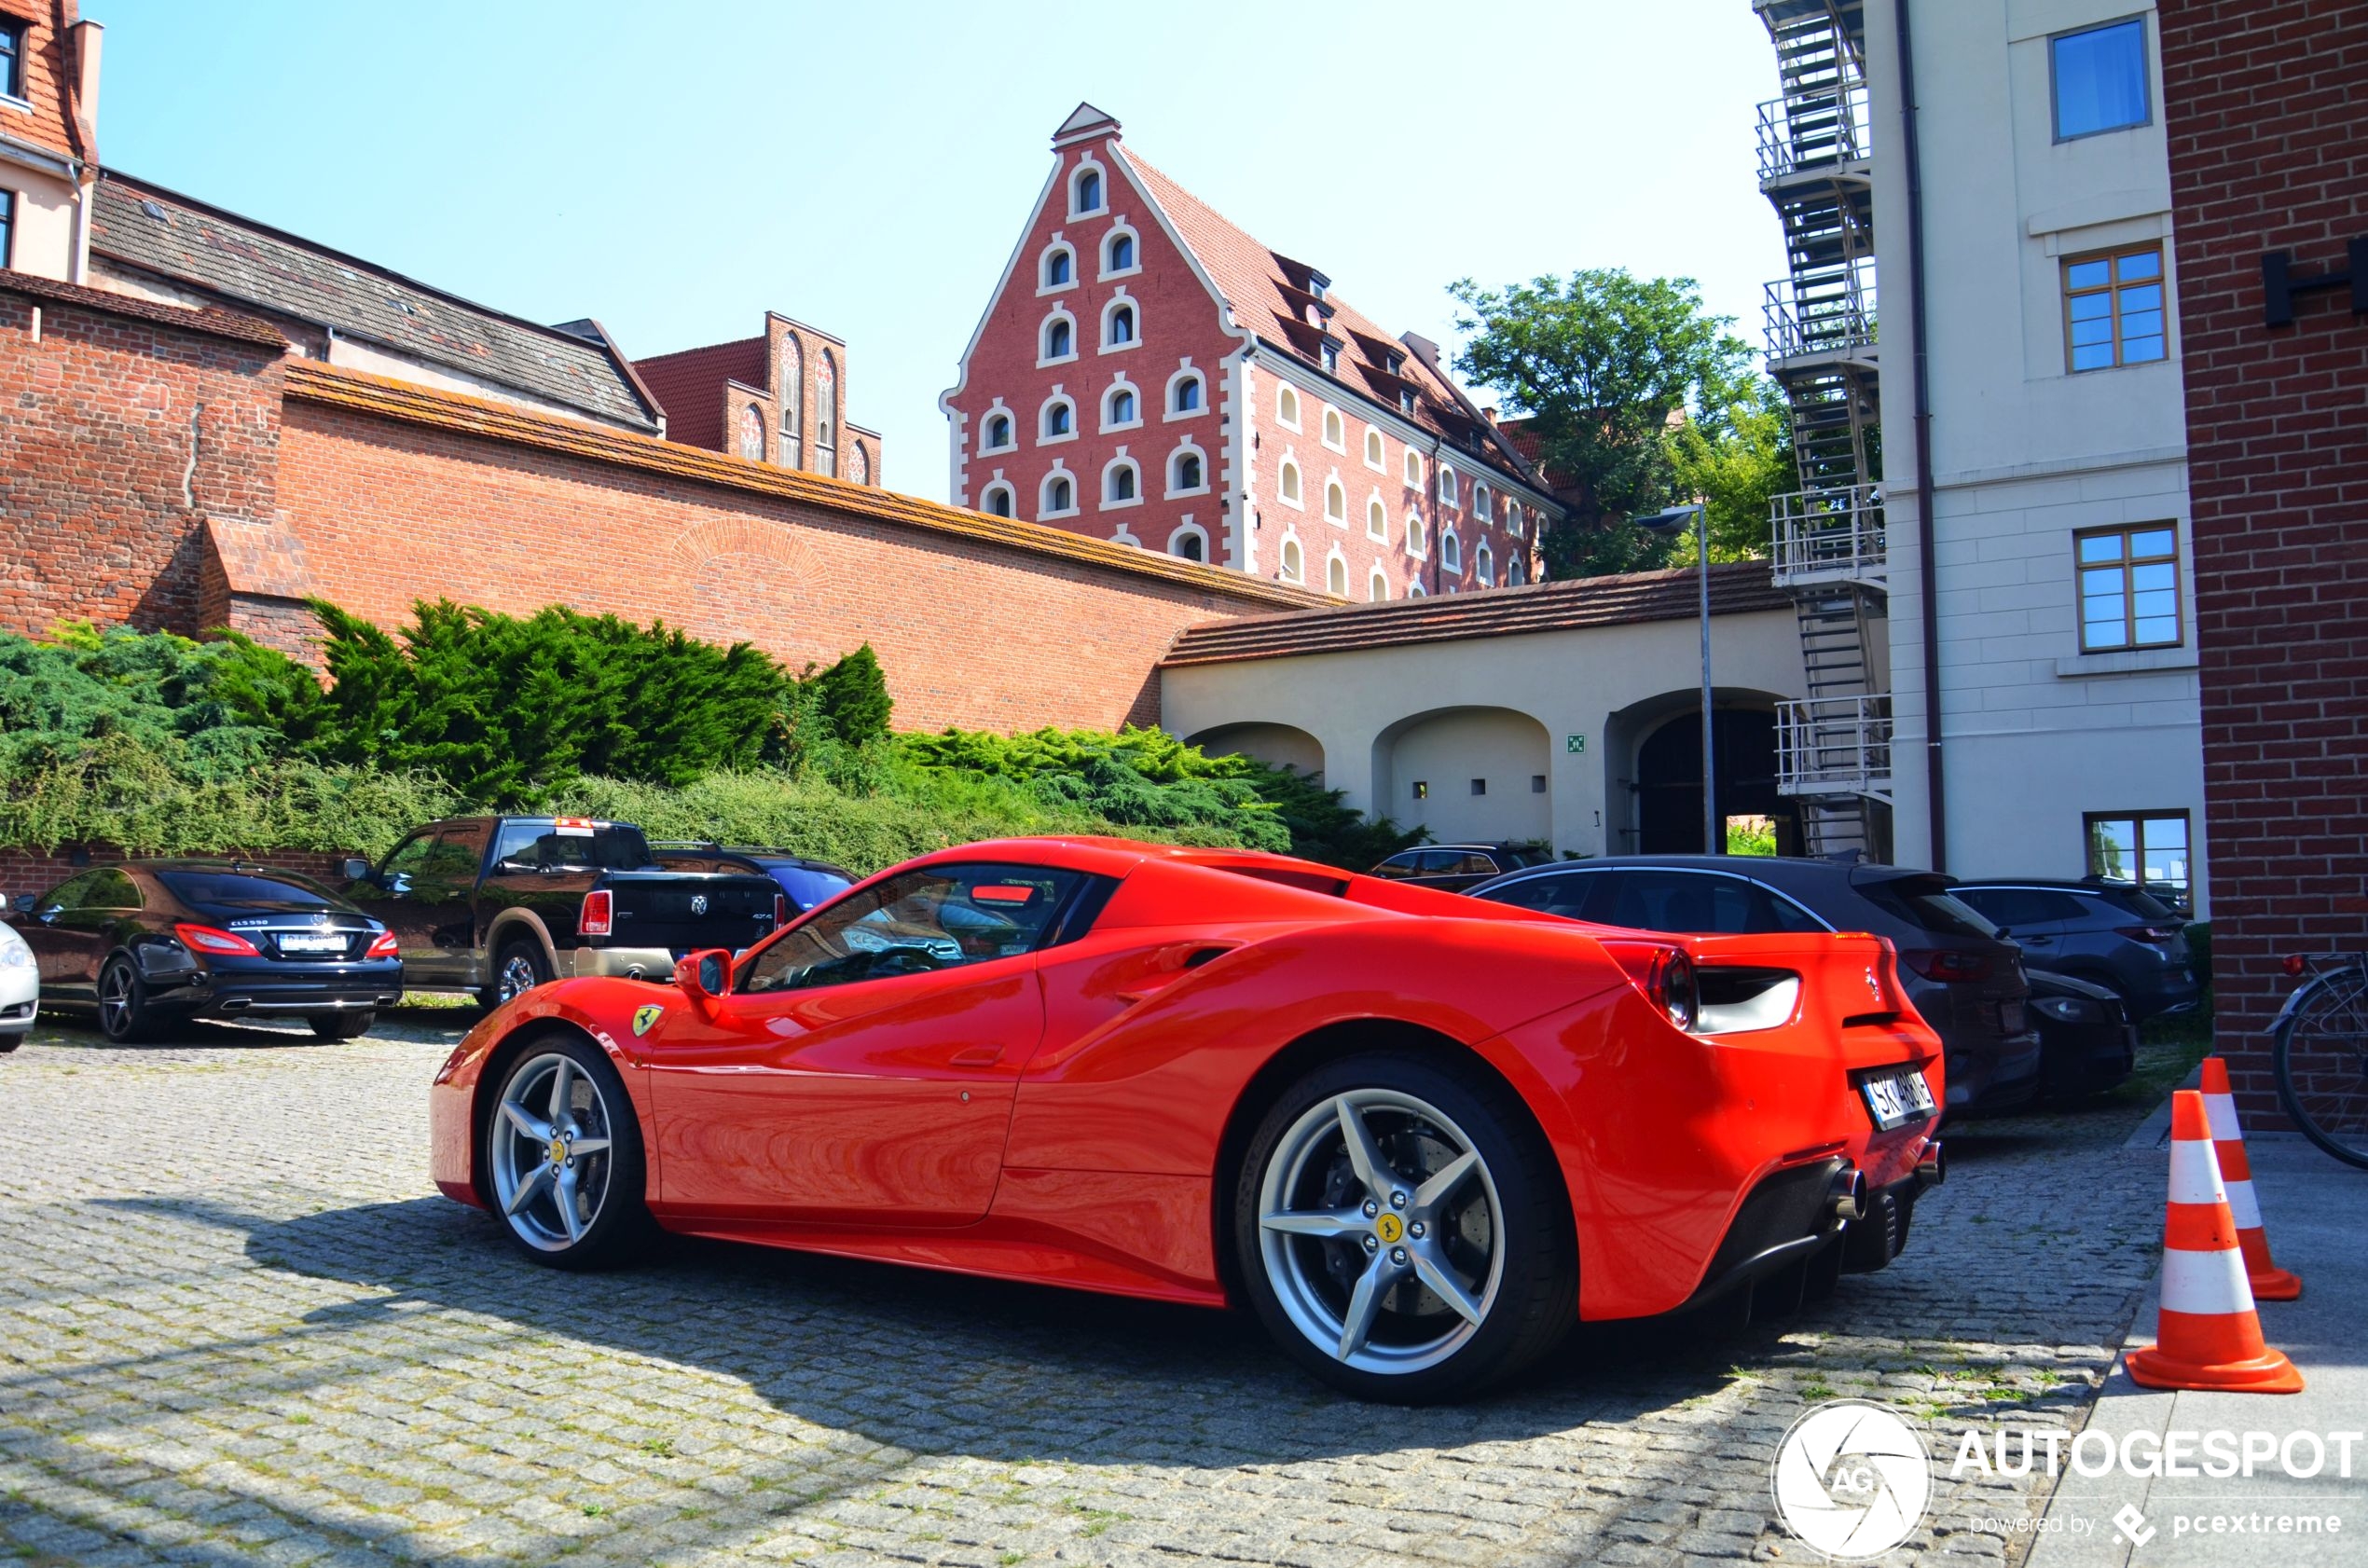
[[780, 910], [208, 938], [598, 917], [384, 946], [1948, 964]]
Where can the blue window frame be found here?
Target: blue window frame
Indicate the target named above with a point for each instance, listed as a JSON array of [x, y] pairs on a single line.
[[11, 58], [2100, 79], [7, 228]]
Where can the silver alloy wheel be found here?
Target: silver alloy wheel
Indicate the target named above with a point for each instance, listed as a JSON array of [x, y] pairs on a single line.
[[518, 977], [549, 1143], [115, 998], [1380, 1231]]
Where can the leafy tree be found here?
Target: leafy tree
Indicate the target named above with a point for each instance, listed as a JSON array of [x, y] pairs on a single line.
[[1603, 365], [852, 696], [1737, 460]]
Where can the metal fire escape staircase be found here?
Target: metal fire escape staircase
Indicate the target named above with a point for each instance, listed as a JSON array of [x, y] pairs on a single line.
[[1833, 746]]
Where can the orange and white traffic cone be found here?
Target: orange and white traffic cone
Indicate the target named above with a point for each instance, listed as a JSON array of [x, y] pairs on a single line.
[[2270, 1282], [2209, 1337]]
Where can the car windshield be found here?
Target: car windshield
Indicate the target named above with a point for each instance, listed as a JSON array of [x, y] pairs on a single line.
[[570, 845], [279, 890], [937, 918], [1926, 903]]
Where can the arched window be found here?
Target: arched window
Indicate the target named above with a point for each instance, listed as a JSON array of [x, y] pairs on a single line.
[[1118, 407], [1414, 471], [1372, 448], [997, 500], [793, 403], [1450, 552], [1335, 504], [1481, 502], [1377, 585], [1484, 564], [1516, 572], [1119, 481], [1059, 494], [1119, 326], [1290, 560], [1186, 398], [1189, 544], [1060, 340], [1286, 406], [752, 433], [858, 465], [1118, 252], [1376, 519], [1289, 481], [1335, 431], [999, 433], [826, 414], [1418, 537], [1060, 267], [1447, 492], [1060, 417], [1417, 590], [1336, 577], [1087, 192], [1184, 474]]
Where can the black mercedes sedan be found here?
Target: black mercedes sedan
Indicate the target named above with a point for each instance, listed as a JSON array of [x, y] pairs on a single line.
[[148, 942]]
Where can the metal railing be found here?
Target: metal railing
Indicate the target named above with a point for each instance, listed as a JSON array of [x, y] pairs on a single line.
[[1819, 131], [1831, 314], [1834, 746], [1829, 536]]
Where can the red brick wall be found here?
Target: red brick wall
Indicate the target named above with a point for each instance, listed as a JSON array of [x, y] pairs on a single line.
[[118, 436], [2266, 120]]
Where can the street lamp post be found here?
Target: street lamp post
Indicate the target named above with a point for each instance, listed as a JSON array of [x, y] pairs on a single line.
[[1669, 521]]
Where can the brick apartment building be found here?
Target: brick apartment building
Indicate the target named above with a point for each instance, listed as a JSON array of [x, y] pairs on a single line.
[[1146, 372], [2266, 120], [778, 397]]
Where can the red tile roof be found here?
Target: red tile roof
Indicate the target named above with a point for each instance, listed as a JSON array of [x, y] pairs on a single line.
[[689, 386], [211, 319], [1628, 598]]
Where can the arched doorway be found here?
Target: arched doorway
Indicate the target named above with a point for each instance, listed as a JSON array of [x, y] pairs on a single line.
[[1469, 775], [1276, 745], [1664, 739]]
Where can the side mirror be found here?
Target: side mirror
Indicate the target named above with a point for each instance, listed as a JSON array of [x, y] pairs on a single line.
[[704, 977], [23, 903], [355, 868]]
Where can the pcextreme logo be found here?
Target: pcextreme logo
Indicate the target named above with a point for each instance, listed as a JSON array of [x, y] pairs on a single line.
[[1851, 1480]]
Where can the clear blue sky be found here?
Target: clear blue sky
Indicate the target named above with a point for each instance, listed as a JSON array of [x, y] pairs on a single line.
[[675, 169]]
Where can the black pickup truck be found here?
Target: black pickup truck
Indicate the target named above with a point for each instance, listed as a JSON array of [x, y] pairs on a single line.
[[494, 905]]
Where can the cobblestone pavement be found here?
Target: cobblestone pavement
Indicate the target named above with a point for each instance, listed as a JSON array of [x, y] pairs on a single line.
[[237, 1325]]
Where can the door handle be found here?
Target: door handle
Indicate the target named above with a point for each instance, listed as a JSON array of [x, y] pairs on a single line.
[[978, 1056]]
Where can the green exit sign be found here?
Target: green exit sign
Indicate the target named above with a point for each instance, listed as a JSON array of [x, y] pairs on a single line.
[[1573, 743]]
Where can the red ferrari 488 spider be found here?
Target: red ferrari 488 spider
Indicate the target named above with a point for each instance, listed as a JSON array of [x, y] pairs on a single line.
[[1418, 1135]]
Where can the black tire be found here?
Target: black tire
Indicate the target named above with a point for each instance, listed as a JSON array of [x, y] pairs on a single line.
[[341, 1025], [125, 1016], [517, 957], [9, 1042], [2339, 1127], [1418, 1111], [617, 1228]]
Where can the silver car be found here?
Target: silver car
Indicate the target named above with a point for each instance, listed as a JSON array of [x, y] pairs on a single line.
[[19, 989]]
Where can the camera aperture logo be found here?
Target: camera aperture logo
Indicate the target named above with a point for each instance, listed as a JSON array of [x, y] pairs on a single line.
[[1851, 1479]]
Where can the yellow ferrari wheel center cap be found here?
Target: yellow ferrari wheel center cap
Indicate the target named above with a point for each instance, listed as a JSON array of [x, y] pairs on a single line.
[[558, 1152], [1389, 1228]]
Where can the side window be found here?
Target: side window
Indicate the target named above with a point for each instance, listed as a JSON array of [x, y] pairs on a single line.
[[516, 843], [939, 919], [1682, 901], [411, 855], [1403, 864], [112, 889], [1772, 912], [69, 893], [1475, 863], [1566, 895]]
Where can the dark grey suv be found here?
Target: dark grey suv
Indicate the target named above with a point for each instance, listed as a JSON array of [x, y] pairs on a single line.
[[1968, 984], [2109, 933]]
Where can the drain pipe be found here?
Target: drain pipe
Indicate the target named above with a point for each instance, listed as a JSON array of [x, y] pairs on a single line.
[[1927, 577]]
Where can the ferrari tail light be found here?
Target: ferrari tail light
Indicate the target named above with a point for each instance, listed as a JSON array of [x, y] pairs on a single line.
[[1665, 975], [1948, 964], [382, 946], [598, 917], [2148, 933], [208, 938]]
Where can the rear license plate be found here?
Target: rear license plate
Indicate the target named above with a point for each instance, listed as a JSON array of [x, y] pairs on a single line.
[[1896, 1097], [305, 942], [2010, 1017]]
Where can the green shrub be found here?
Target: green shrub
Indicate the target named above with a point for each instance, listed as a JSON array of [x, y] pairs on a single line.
[[852, 697]]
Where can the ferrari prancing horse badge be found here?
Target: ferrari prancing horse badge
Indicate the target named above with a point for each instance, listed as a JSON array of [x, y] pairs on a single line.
[[645, 1018]]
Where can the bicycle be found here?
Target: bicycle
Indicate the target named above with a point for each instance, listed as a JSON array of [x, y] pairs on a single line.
[[2320, 1053]]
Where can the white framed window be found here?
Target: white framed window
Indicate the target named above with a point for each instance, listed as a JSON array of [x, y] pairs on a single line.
[[1516, 571], [1482, 501], [998, 501], [1376, 519], [1418, 537], [1122, 328], [1417, 590], [1186, 394], [1484, 564], [1336, 575], [1414, 469], [1287, 482], [1447, 493], [1516, 519], [1293, 571], [1089, 192], [1056, 269], [1451, 553], [1373, 452], [1122, 253], [1187, 470], [1056, 420], [1058, 498], [1189, 542], [1377, 585], [1056, 339], [1122, 407], [1286, 407], [1335, 502], [997, 433], [1335, 431], [1121, 483]]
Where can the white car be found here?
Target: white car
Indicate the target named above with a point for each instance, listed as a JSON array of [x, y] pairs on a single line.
[[19, 989]]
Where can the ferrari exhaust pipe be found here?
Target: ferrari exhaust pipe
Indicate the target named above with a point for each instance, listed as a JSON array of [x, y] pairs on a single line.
[[1932, 1169], [1846, 1199]]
